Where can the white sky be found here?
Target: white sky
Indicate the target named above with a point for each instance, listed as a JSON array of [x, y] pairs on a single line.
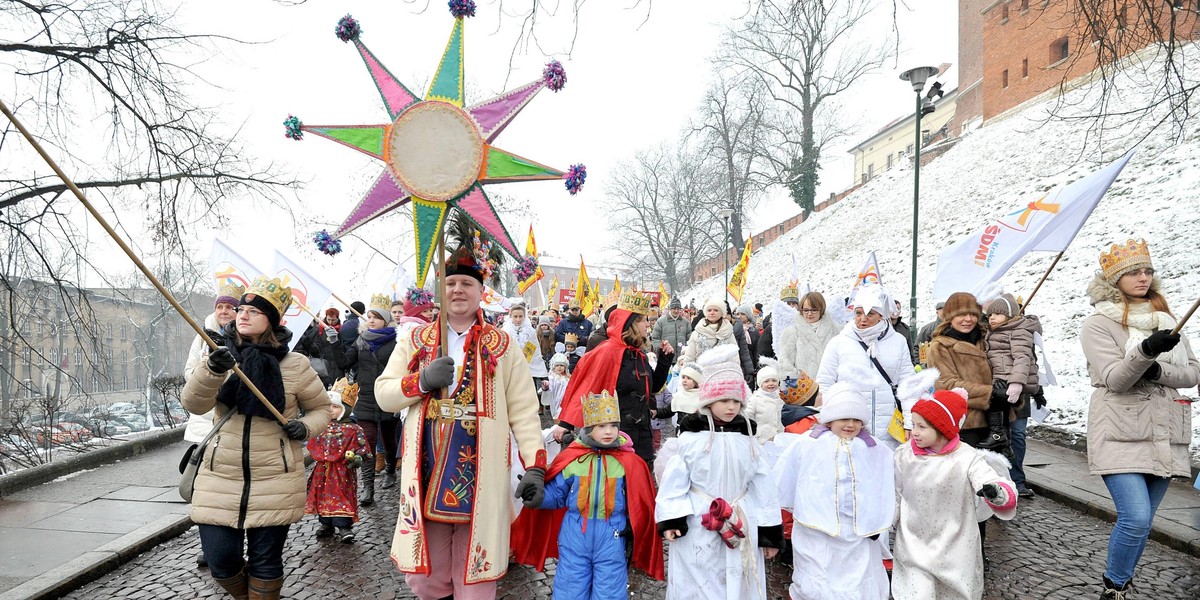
[[630, 86]]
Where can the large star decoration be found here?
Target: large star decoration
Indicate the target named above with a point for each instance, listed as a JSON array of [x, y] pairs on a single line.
[[437, 154]]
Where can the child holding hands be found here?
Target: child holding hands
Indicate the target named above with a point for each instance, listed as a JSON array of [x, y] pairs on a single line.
[[716, 502], [939, 484], [598, 508], [837, 482]]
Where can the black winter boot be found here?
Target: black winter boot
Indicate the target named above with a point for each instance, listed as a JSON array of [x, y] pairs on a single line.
[[1114, 592], [368, 488], [997, 440], [389, 476]]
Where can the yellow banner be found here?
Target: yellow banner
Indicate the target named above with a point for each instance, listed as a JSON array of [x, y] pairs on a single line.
[[552, 296], [664, 300], [584, 292], [530, 250], [737, 280]]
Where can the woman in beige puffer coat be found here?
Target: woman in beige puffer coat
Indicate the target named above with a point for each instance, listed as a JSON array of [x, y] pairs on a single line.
[[1139, 425], [251, 486]]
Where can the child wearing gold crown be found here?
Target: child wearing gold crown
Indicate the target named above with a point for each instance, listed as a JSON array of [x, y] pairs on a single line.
[[716, 503], [597, 511], [332, 485]]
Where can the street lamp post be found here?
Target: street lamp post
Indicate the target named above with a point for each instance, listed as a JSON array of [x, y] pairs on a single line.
[[726, 214], [917, 77]]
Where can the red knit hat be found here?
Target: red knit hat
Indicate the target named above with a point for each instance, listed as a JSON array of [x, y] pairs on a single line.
[[945, 410], [416, 301]]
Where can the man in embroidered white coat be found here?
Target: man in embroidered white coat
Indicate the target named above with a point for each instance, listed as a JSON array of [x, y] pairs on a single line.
[[452, 532]]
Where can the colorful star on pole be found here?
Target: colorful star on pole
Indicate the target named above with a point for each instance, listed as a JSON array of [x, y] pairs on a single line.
[[437, 154]]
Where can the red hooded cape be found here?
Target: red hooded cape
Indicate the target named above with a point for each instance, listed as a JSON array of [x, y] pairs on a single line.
[[535, 532], [597, 371]]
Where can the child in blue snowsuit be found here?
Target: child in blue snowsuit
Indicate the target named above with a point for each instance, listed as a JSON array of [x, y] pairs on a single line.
[[607, 494]]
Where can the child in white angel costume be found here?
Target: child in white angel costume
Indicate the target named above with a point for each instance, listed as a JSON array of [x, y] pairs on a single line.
[[944, 488], [836, 480], [716, 502]]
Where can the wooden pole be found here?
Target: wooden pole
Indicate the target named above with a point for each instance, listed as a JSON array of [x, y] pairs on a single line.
[[442, 343], [1179, 326], [1041, 281], [347, 304], [136, 261]]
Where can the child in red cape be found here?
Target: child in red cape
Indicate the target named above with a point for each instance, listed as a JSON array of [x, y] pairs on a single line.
[[598, 504]]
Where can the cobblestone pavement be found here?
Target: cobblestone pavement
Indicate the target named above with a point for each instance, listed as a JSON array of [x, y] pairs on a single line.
[[1049, 551]]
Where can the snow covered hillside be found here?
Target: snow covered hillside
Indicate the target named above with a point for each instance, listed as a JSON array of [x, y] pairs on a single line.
[[1003, 165]]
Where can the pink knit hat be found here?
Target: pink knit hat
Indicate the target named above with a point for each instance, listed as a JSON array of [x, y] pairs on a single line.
[[723, 378]]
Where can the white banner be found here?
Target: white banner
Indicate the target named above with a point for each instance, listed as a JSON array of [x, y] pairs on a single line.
[[398, 283], [225, 264], [868, 274], [307, 293], [1048, 224]]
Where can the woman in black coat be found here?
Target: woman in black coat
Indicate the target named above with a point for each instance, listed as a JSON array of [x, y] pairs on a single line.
[[368, 355]]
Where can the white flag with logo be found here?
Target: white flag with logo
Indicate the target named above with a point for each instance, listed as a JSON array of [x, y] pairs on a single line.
[[868, 274], [308, 296], [225, 264], [1048, 224]]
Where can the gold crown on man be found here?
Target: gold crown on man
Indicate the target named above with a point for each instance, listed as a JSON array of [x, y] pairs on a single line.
[[1123, 257], [231, 288], [805, 389], [634, 301], [600, 408], [274, 290], [790, 293], [381, 302]]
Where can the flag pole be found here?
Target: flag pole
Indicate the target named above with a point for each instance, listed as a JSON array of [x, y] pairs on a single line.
[[136, 261], [347, 304], [1179, 326], [1043, 280]]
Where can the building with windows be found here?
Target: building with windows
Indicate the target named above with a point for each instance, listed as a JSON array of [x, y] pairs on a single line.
[[896, 141]]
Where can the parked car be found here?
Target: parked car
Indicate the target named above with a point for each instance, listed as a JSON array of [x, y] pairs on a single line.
[[134, 422], [78, 432], [56, 436], [123, 408], [70, 417], [109, 427]]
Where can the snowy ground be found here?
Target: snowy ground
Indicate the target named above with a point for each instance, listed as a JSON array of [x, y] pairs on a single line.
[[994, 169]]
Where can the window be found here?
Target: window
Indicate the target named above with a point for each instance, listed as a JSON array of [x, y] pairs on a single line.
[[27, 358], [41, 327], [909, 150], [870, 170], [78, 357], [780, 229], [1059, 50], [1122, 17], [889, 161], [1024, 5], [1176, 4], [1004, 13], [124, 332], [53, 354], [1004, 79], [108, 330], [1025, 67]]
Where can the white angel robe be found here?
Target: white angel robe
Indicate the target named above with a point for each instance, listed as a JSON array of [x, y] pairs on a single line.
[[712, 465], [840, 493], [937, 535]]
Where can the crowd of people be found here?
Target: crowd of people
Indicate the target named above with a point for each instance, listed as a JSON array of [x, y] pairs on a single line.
[[814, 429]]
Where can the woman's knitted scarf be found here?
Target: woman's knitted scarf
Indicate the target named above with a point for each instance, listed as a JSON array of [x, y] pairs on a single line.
[[1143, 321], [375, 338], [260, 363]]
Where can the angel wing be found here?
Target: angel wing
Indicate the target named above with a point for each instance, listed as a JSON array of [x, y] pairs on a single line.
[[782, 317]]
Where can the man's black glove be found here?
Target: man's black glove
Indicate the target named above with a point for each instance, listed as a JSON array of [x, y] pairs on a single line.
[[990, 491], [295, 430], [1153, 372], [1160, 341], [999, 398], [437, 374], [532, 489], [220, 361]]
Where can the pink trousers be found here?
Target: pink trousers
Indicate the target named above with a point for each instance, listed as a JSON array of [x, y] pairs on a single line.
[[448, 548]]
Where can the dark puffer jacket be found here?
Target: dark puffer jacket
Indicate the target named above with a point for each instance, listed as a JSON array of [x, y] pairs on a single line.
[[368, 366]]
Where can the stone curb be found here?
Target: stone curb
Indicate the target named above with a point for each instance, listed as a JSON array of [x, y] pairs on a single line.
[[61, 580], [12, 483]]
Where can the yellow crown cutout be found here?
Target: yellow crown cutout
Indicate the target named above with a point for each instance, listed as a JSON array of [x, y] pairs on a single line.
[[600, 408], [229, 287], [1121, 257], [571, 338], [634, 301], [274, 290], [381, 302], [789, 291], [804, 390]]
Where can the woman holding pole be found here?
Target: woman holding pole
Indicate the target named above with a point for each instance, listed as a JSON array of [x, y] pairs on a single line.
[[251, 485], [1139, 425]]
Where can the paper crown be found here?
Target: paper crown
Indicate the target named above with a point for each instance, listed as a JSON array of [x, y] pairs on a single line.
[[634, 301], [347, 391], [571, 338], [230, 288], [800, 391], [1123, 257], [790, 293], [573, 303], [600, 408], [381, 302], [273, 290]]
